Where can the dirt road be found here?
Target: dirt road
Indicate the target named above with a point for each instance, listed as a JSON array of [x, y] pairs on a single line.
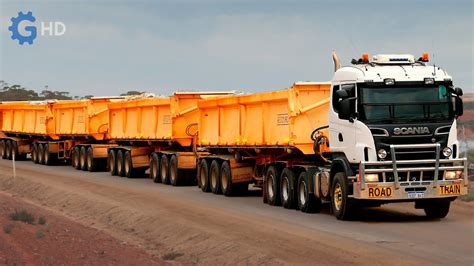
[[206, 228]]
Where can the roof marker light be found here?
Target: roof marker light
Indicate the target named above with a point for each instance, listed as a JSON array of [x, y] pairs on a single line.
[[429, 81], [425, 57], [365, 58], [389, 81]]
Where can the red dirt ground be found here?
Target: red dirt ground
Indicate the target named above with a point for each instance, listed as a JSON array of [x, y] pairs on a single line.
[[64, 241]]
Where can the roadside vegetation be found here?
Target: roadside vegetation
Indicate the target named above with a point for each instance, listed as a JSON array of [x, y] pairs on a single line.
[[26, 217]]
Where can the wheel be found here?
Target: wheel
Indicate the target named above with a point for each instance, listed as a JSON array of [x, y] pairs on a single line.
[[127, 165], [47, 155], [2, 149], [214, 177], [155, 168], [120, 168], [8, 150], [34, 153], [174, 174], [164, 170], [342, 205], [272, 185], [227, 187], [91, 163], [15, 153], [203, 176], [306, 202], [112, 162], [76, 158], [437, 209], [83, 158], [40, 153], [287, 189]]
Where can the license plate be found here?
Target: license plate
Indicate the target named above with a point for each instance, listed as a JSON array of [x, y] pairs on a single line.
[[453, 189], [380, 192], [416, 195]]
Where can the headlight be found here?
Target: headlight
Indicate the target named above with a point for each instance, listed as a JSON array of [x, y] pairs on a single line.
[[447, 152], [371, 177], [452, 175], [382, 154]]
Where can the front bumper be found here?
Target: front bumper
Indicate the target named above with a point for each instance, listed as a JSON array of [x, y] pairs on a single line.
[[407, 180]]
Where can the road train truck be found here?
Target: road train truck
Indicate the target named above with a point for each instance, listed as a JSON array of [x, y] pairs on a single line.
[[383, 131]]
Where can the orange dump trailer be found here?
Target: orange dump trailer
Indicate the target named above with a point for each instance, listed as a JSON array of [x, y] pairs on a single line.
[[155, 131], [244, 134], [282, 118], [23, 122]]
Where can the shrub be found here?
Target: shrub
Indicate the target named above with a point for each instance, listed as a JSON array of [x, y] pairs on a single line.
[[23, 216], [8, 228], [41, 220], [40, 234]]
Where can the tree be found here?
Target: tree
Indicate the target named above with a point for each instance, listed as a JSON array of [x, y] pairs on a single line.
[[129, 93], [18, 93]]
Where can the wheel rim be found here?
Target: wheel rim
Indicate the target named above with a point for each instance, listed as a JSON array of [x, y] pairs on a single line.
[[76, 158], [337, 195], [173, 172], [214, 178], [224, 180], [46, 155], [89, 161], [203, 177], [112, 163], [83, 159], [127, 166], [152, 169], [284, 189], [163, 169], [33, 155], [270, 186], [119, 165], [303, 193]]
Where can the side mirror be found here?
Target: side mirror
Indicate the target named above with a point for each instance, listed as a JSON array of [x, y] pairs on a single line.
[[458, 91], [342, 94], [348, 87], [347, 109], [459, 105]]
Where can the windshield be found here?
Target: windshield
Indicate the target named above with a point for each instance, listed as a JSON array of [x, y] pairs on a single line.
[[405, 104]]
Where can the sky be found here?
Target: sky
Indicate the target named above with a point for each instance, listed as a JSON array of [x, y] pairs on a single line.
[[111, 47]]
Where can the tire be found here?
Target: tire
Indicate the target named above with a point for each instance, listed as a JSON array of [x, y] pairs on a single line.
[[228, 188], [47, 155], [175, 178], [203, 176], [83, 158], [287, 189], [34, 153], [91, 162], [15, 151], [307, 202], [8, 150], [76, 158], [2, 149], [40, 153], [437, 209], [128, 165], [215, 177], [164, 170], [112, 162], [272, 186], [155, 168], [342, 205], [119, 160]]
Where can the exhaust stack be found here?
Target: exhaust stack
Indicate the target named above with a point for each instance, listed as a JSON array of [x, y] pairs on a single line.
[[337, 62]]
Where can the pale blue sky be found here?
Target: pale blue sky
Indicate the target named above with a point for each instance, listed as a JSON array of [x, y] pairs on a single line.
[[162, 46]]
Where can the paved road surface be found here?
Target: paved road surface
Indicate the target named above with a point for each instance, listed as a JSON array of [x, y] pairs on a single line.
[[208, 228]]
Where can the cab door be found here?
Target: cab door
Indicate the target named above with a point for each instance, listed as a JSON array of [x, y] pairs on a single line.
[[342, 131]]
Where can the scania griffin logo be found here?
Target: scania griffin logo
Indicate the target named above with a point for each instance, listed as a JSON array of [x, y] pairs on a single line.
[[410, 130]]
